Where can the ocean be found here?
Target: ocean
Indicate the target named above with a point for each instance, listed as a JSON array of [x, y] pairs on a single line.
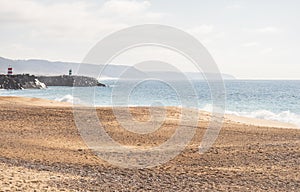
[[277, 100]]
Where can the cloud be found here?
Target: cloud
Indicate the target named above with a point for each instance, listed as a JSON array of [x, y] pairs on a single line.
[[206, 33], [266, 51], [76, 18], [268, 30], [201, 29], [250, 44], [233, 6], [263, 31], [123, 7], [66, 28]]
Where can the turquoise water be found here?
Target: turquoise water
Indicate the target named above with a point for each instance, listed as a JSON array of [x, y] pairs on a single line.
[[273, 100]]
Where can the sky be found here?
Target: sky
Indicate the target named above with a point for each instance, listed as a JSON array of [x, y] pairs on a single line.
[[250, 39]]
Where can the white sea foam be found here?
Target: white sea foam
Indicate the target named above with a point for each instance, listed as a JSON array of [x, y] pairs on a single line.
[[284, 116], [37, 82], [208, 108], [67, 98]]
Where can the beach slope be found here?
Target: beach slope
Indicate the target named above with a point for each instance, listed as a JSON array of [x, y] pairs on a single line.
[[41, 148]]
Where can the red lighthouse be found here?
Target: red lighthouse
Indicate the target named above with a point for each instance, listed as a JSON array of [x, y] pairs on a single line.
[[9, 70]]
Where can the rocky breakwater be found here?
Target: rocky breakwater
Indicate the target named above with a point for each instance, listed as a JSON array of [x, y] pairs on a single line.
[[24, 81], [66, 80]]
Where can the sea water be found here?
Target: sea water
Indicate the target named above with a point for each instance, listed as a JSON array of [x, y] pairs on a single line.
[[272, 100]]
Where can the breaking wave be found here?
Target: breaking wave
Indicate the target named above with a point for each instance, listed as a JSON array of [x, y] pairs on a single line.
[[284, 116], [67, 98]]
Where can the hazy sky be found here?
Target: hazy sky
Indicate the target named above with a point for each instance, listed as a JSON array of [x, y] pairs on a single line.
[[251, 39]]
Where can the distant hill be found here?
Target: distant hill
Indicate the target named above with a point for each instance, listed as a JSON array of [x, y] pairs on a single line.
[[44, 67]]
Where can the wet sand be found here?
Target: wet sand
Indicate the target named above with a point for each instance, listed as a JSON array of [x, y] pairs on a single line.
[[41, 148]]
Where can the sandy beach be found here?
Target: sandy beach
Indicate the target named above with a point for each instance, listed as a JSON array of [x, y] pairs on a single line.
[[41, 149]]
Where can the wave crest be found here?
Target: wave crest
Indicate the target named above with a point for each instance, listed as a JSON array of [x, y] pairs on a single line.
[[284, 116], [67, 98]]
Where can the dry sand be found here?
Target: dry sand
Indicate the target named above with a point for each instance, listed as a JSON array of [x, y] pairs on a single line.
[[41, 149]]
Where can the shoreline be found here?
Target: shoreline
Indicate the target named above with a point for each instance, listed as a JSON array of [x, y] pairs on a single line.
[[30, 101]]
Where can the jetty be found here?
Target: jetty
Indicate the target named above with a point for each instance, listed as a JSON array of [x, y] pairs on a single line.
[[27, 81]]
